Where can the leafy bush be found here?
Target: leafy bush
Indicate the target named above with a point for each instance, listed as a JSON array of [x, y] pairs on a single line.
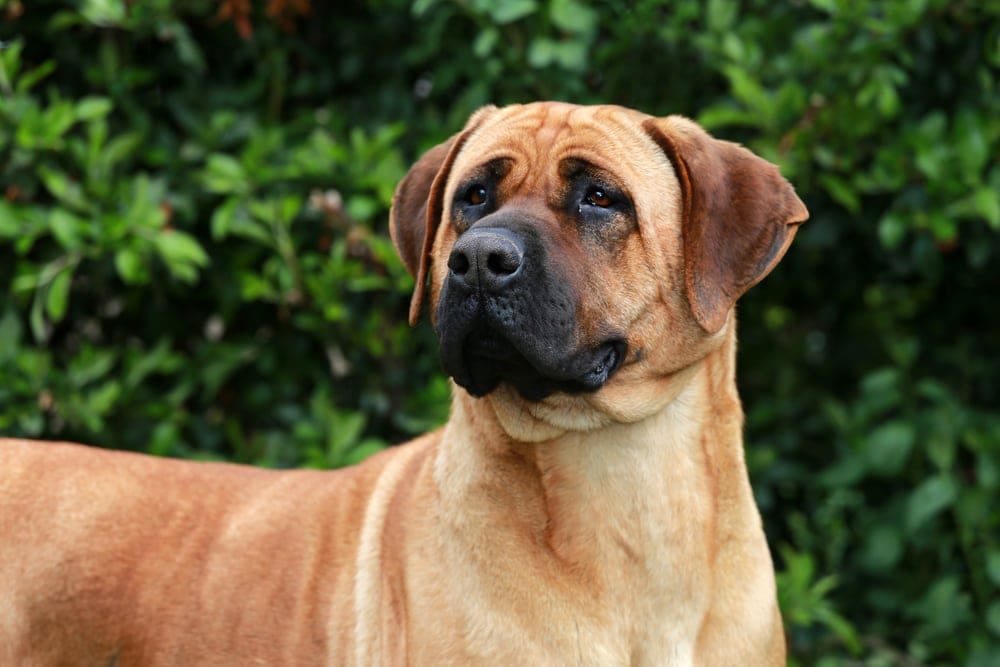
[[194, 257]]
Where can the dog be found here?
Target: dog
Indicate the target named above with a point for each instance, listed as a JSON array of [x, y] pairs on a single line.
[[586, 503]]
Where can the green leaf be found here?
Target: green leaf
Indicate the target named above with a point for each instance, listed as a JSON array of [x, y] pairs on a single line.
[[972, 144], [12, 220], [940, 445], [66, 228], [993, 566], [733, 47], [30, 78], [361, 207], [883, 548], [988, 470], [343, 430], [987, 204], [131, 267], [887, 101], [226, 360], [362, 451], [181, 253], [36, 319], [57, 297], [889, 446], [164, 439], [841, 191], [929, 499], [845, 471], [944, 607], [828, 6], [103, 398], [88, 365], [233, 219], [541, 52], [720, 116], [64, 189], [720, 14], [119, 148], [26, 280], [508, 11], [748, 90], [10, 335], [485, 41], [186, 47], [944, 226], [104, 13], [891, 230], [421, 7], [224, 174], [90, 108], [572, 55], [59, 117], [573, 17], [993, 618]]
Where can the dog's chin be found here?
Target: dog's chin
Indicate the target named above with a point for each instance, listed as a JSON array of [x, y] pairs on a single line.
[[488, 359]]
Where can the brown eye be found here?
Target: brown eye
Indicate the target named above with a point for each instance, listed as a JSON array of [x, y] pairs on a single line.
[[597, 197], [475, 195]]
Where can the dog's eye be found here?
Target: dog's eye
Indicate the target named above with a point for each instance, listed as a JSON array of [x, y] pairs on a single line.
[[476, 194], [598, 197]]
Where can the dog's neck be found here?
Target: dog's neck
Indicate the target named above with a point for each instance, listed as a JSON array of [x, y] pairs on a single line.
[[579, 489]]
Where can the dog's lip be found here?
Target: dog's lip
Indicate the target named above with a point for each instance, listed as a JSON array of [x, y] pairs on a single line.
[[610, 359], [489, 358]]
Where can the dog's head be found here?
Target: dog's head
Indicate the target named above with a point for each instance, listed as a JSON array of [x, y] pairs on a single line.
[[578, 250]]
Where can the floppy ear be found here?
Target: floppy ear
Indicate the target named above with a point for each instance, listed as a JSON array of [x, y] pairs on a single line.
[[739, 216], [417, 207]]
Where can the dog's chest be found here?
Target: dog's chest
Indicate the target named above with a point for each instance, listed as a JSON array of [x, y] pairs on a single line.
[[659, 581], [642, 516]]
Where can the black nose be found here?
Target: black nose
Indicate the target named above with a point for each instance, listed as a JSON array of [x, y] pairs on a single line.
[[486, 258]]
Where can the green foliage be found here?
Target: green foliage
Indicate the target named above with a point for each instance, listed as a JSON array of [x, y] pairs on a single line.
[[194, 258]]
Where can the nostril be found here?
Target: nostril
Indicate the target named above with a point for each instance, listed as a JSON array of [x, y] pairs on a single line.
[[458, 263], [503, 263], [486, 258]]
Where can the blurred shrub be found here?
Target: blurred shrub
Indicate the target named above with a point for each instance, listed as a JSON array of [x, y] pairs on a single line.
[[194, 259]]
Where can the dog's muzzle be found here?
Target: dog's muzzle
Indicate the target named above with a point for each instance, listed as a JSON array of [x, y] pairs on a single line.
[[506, 315]]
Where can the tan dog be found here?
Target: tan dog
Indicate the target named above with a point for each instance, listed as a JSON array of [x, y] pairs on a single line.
[[586, 503]]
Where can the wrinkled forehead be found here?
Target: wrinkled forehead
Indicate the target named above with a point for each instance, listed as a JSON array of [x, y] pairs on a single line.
[[541, 137]]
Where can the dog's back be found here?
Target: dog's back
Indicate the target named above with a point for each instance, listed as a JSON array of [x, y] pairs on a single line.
[[100, 550]]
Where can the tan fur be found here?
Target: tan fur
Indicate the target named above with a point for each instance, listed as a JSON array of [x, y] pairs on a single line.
[[613, 528]]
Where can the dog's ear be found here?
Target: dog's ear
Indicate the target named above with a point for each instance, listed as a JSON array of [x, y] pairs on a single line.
[[739, 216], [417, 207]]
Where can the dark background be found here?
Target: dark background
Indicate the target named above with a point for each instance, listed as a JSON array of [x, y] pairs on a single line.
[[194, 258]]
